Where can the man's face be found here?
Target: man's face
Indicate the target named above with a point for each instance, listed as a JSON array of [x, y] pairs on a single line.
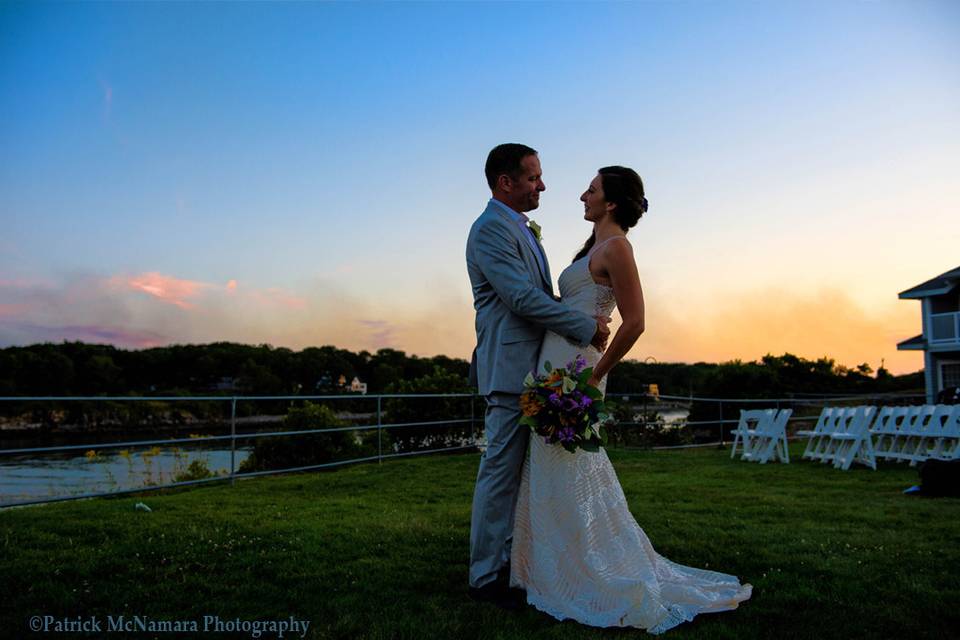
[[525, 190]]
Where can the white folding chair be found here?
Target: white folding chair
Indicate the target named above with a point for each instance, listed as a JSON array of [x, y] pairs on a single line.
[[751, 422], [949, 447], [820, 429], [931, 434], [886, 430], [911, 432], [825, 446], [770, 442], [855, 443]]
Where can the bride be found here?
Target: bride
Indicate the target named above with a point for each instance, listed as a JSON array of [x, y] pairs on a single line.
[[577, 550]]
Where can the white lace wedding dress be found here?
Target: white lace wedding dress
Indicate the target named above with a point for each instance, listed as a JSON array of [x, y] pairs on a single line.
[[577, 550]]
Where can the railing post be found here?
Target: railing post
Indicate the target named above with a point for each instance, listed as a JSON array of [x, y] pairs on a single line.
[[379, 431], [233, 439], [721, 424]]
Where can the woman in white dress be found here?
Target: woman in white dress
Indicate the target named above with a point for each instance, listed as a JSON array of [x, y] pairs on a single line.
[[577, 550]]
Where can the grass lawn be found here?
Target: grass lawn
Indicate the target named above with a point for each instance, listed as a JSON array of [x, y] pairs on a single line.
[[381, 551]]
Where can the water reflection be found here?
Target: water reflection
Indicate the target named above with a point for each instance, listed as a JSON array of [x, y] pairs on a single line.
[[38, 476]]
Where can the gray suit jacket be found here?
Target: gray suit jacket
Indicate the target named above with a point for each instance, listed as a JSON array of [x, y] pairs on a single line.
[[514, 303]]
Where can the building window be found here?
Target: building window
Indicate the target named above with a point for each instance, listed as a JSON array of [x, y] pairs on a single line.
[[950, 375]]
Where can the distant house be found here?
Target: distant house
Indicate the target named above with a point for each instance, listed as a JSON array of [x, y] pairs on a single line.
[[225, 384], [358, 387], [940, 340]]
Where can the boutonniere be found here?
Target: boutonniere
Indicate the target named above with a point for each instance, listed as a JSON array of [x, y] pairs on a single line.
[[535, 228]]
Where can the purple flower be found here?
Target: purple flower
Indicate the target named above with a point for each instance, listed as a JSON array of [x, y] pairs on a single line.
[[585, 402], [566, 434], [577, 366], [555, 399], [569, 404]]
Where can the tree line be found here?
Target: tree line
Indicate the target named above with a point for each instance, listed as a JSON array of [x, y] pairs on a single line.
[[224, 368]]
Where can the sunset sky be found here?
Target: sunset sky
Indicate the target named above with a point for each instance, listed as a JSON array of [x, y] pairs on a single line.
[[305, 174]]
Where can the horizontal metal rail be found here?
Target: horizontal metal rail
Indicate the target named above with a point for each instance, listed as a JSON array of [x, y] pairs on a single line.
[[832, 398], [353, 397], [238, 436]]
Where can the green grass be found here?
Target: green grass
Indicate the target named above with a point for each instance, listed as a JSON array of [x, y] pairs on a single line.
[[381, 551]]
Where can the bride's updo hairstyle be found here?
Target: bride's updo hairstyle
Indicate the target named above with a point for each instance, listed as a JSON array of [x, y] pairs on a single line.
[[623, 188]]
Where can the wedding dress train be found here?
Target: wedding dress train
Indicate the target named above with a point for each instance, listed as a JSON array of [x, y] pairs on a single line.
[[577, 550]]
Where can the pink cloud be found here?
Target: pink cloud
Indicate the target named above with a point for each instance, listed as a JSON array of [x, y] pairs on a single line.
[[172, 290], [93, 334], [384, 334]]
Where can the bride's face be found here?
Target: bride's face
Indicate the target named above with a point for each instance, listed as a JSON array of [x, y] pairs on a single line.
[[595, 206]]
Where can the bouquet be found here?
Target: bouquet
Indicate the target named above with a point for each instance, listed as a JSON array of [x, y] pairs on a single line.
[[563, 408]]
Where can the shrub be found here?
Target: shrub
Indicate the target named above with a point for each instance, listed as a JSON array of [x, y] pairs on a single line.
[[286, 452]]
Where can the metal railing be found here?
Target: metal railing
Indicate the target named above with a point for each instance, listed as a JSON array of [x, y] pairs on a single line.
[[648, 406], [945, 328]]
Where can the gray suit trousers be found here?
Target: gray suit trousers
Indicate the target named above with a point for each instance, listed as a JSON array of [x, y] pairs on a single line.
[[498, 483]]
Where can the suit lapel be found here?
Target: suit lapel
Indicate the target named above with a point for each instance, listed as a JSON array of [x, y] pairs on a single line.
[[546, 265], [525, 246]]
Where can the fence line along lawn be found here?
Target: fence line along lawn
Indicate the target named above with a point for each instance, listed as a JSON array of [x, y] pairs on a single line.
[[381, 551]]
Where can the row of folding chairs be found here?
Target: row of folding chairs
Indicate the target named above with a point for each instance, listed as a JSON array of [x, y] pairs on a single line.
[[917, 433], [762, 435], [843, 435]]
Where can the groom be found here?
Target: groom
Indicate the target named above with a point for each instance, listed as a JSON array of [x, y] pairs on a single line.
[[513, 297]]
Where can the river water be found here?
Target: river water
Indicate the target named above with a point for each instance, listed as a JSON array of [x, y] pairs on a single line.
[[37, 476]]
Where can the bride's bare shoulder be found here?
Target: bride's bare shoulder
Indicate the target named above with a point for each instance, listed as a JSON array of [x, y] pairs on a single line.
[[616, 251]]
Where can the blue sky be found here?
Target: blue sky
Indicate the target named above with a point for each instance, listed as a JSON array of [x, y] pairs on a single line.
[[327, 159]]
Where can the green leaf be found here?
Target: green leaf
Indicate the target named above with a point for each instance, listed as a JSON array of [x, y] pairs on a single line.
[[569, 384], [548, 367], [530, 381]]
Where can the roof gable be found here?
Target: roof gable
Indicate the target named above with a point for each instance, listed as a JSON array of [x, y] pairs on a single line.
[[943, 283]]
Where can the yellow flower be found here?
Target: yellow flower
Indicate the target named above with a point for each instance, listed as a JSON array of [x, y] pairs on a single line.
[[530, 403], [91, 455]]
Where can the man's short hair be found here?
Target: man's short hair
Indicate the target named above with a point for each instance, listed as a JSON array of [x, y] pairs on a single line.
[[506, 159]]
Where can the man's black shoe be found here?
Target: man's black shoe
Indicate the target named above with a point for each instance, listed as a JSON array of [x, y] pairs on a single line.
[[497, 594]]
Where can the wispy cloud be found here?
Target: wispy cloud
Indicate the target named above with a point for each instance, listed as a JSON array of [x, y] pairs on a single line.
[[170, 289], [91, 333], [147, 309], [382, 333]]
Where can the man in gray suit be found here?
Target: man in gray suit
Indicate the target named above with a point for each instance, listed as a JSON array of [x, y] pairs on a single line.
[[515, 305]]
